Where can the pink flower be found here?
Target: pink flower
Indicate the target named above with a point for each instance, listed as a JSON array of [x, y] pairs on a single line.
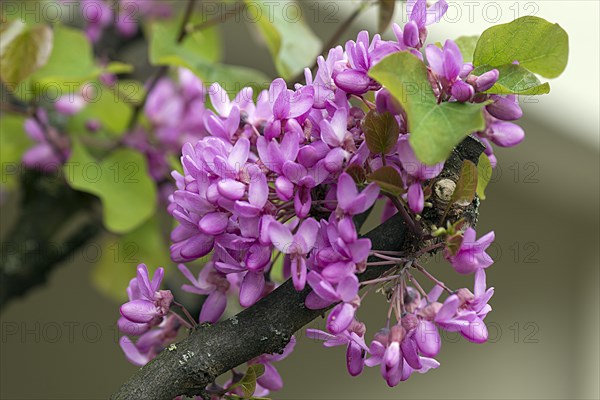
[[353, 338], [147, 304], [209, 282], [296, 246], [350, 201], [471, 255]]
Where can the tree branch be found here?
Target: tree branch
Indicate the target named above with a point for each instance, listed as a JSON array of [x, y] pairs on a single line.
[[46, 233], [266, 327]]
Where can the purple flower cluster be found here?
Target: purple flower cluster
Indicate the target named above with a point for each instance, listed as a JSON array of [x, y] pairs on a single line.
[[271, 185], [124, 15], [51, 148], [146, 315]]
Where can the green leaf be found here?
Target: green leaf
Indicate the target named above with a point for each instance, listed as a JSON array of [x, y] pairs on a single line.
[[514, 79], [538, 45], [203, 45], [120, 180], [357, 173], [107, 107], [466, 184], [117, 67], [23, 50], [388, 179], [435, 129], [130, 90], [248, 381], [120, 255], [66, 68], [467, 44], [13, 143], [381, 132], [165, 51], [484, 175], [386, 14], [71, 59], [290, 41]]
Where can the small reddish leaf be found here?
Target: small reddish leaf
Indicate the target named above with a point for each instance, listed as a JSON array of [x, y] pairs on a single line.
[[467, 183], [381, 132], [388, 179]]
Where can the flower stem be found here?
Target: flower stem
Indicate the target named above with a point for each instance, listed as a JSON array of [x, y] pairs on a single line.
[[186, 313], [412, 225], [433, 278], [181, 319]]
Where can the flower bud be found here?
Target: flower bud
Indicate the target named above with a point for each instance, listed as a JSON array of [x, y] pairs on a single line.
[[397, 333], [411, 34], [506, 134], [505, 107], [486, 80], [465, 295], [69, 104], [409, 322]]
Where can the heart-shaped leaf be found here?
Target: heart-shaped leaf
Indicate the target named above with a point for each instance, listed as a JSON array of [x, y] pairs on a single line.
[[514, 79], [23, 50], [381, 132], [538, 45], [484, 175], [388, 179], [435, 129], [121, 181], [466, 185]]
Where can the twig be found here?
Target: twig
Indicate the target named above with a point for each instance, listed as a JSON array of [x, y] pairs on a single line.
[[219, 19], [405, 216], [59, 153], [433, 278], [333, 40], [162, 71]]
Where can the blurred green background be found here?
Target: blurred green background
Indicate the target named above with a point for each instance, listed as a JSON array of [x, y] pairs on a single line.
[[60, 341]]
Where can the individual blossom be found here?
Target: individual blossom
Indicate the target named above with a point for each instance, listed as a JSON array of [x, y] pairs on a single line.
[[396, 354], [419, 17], [352, 338], [447, 64], [289, 108], [323, 83], [148, 304], [352, 76], [70, 104], [211, 283], [454, 317], [350, 201], [503, 133], [295, 246], [345, 291], [416, 173], [149, 344], [464, 311], [471, 254], [271, 379], [253, 262]]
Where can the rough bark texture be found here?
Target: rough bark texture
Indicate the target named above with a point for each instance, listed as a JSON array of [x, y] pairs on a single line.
[[266, 327], [47, 231]]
